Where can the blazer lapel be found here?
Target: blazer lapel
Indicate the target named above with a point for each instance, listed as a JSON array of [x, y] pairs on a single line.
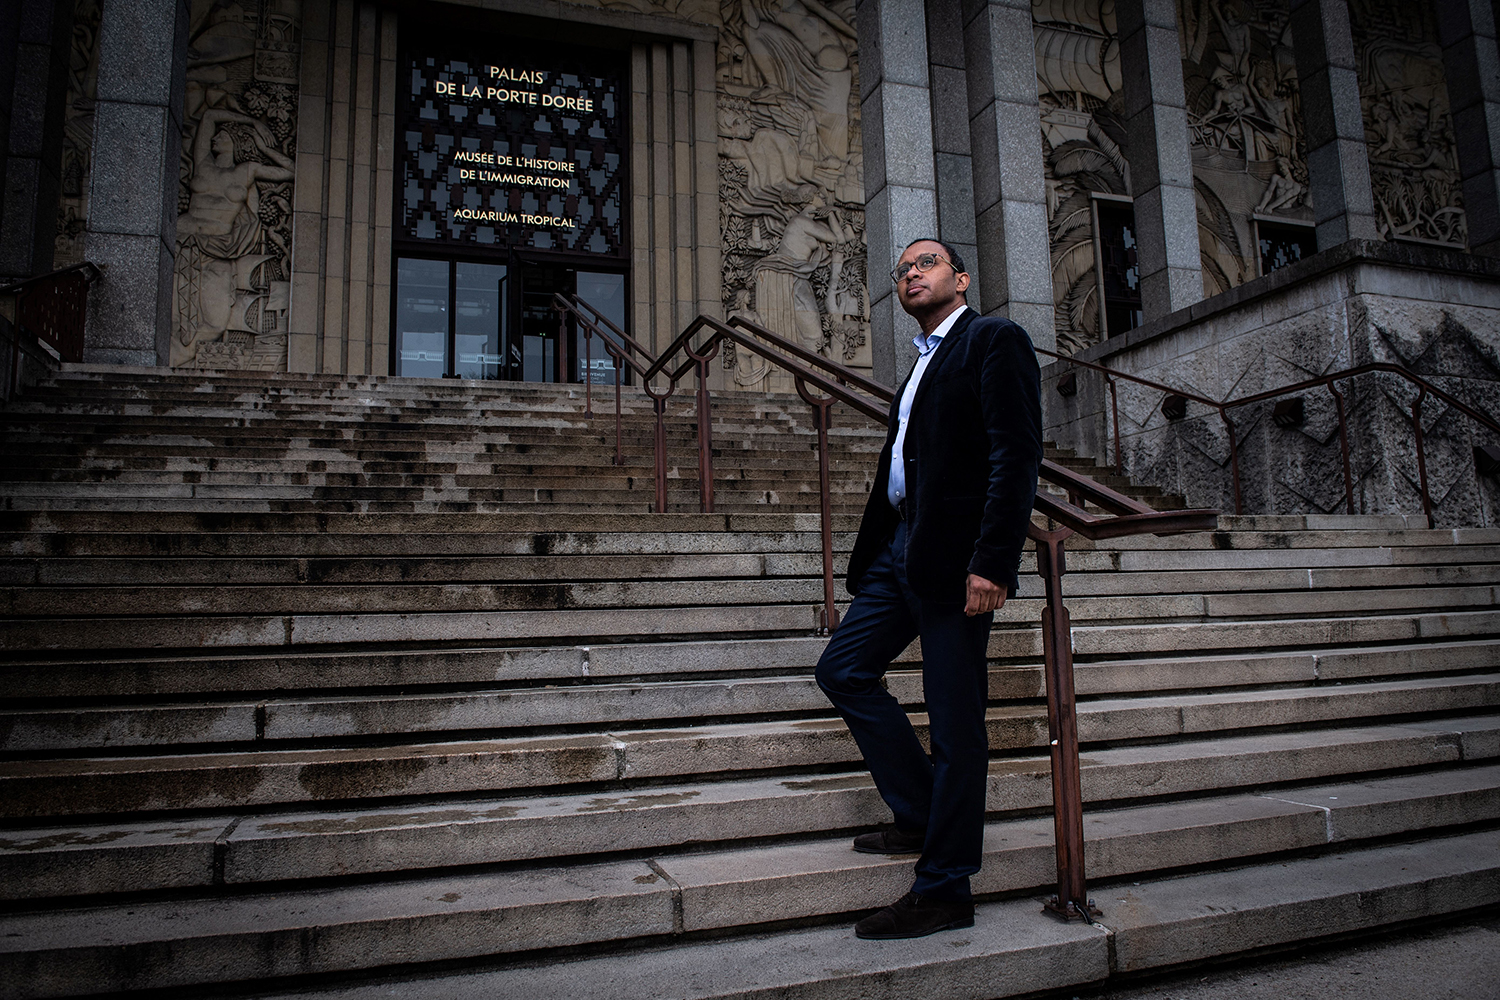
[[943, 350]]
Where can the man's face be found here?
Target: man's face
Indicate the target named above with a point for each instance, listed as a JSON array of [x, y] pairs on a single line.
[[939, 289]]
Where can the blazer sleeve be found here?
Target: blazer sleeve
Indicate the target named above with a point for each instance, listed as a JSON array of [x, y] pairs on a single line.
[[1010, 402]]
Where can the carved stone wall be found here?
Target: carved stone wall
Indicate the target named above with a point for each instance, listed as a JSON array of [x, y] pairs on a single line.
[[1373, 304], [1245, 125], [1408, 129], [1083, 137], [78, 135], [791, 189], [234, 226]]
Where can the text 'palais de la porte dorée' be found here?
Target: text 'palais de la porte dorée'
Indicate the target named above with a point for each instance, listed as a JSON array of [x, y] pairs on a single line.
[[509, 86]]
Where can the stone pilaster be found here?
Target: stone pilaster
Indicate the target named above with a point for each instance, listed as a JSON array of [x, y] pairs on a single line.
[[1010, 189], [31, 127], [952, 162], [1471, 58], [1161, 160], [900, 184], [1338, 161], [132, 223]]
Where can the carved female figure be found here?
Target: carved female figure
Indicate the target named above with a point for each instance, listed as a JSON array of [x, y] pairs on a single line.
[[220, 236]]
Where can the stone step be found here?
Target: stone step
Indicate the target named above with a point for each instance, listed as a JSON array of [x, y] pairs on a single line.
[[313, 614], [159, 578], [377, 484], [312, 462], [297, 633], [561, 431], [679, 501], [76, 727], [164, 853], [591, 529], [267, 674], [52, 552], [1282, 542], [71, 786], [1014, 949], [186, 942]]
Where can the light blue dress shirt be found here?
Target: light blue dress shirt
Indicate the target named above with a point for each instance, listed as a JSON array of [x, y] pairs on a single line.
[[895, 489]]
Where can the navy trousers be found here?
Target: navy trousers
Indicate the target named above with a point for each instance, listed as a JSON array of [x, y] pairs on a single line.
[[945, 795]]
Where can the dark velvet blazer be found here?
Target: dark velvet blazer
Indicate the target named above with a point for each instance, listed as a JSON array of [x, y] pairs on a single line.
[[973, 446]]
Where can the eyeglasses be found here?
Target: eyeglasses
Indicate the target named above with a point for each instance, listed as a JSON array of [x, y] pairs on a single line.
[[924, 263]]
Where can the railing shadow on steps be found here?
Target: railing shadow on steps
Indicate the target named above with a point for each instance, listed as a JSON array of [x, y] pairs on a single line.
[[1329, 381], [821, 383]]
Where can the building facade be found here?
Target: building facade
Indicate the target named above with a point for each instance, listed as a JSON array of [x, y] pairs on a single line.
[[1222, 197]]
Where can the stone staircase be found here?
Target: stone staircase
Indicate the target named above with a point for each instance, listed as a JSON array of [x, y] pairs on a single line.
[[312, 687]]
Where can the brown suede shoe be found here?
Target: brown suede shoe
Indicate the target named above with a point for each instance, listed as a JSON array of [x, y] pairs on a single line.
[[914, 915], [890, 842]]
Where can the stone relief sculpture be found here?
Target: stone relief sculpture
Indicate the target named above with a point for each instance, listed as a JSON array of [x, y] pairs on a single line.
[[790, 179], [1408, 128], [1244, 120], [234, 226], [78, 134], [1083, 132]]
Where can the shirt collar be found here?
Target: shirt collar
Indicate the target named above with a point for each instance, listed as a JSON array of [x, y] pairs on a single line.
[[933, 339]]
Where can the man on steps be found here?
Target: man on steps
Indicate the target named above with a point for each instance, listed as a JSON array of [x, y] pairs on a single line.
[[937, 554]]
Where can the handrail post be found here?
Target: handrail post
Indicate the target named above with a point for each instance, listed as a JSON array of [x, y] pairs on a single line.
[[588, 372], [1338, 399], [1071, 901], [828, 619], [619, 377], [705, 438], [660, 403], [1416, 427]]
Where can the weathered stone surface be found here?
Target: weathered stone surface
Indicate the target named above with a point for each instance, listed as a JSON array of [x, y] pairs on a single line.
[[177, 943], [1182, 920], [1009, 951]]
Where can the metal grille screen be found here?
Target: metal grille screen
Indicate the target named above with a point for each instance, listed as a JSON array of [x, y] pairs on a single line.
[[513, 146]]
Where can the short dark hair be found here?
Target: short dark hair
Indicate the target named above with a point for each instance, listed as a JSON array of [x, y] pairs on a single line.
[[954, 257]]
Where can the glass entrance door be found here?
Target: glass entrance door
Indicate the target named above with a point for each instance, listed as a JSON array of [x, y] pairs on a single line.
[[468, 319], [479, 325], [540, 348]]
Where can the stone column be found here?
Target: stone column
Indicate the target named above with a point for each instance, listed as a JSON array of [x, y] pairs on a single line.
[[1161, 160], [1010, 189], [31, 127], [132, 223], [1338, 162], [954, 169], [900, 177], [1466, 29]]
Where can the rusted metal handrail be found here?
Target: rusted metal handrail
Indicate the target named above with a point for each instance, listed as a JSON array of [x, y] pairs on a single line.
[[821, 383], [1330, 382], [51, 308]]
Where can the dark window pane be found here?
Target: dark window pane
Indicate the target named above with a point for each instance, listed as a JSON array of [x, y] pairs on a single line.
[[479, 320], [1122, 282], [1282, 245], [421, 317], [606, 293]]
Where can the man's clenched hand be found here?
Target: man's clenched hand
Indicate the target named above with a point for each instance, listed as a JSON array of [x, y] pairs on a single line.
[[983, 597]]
